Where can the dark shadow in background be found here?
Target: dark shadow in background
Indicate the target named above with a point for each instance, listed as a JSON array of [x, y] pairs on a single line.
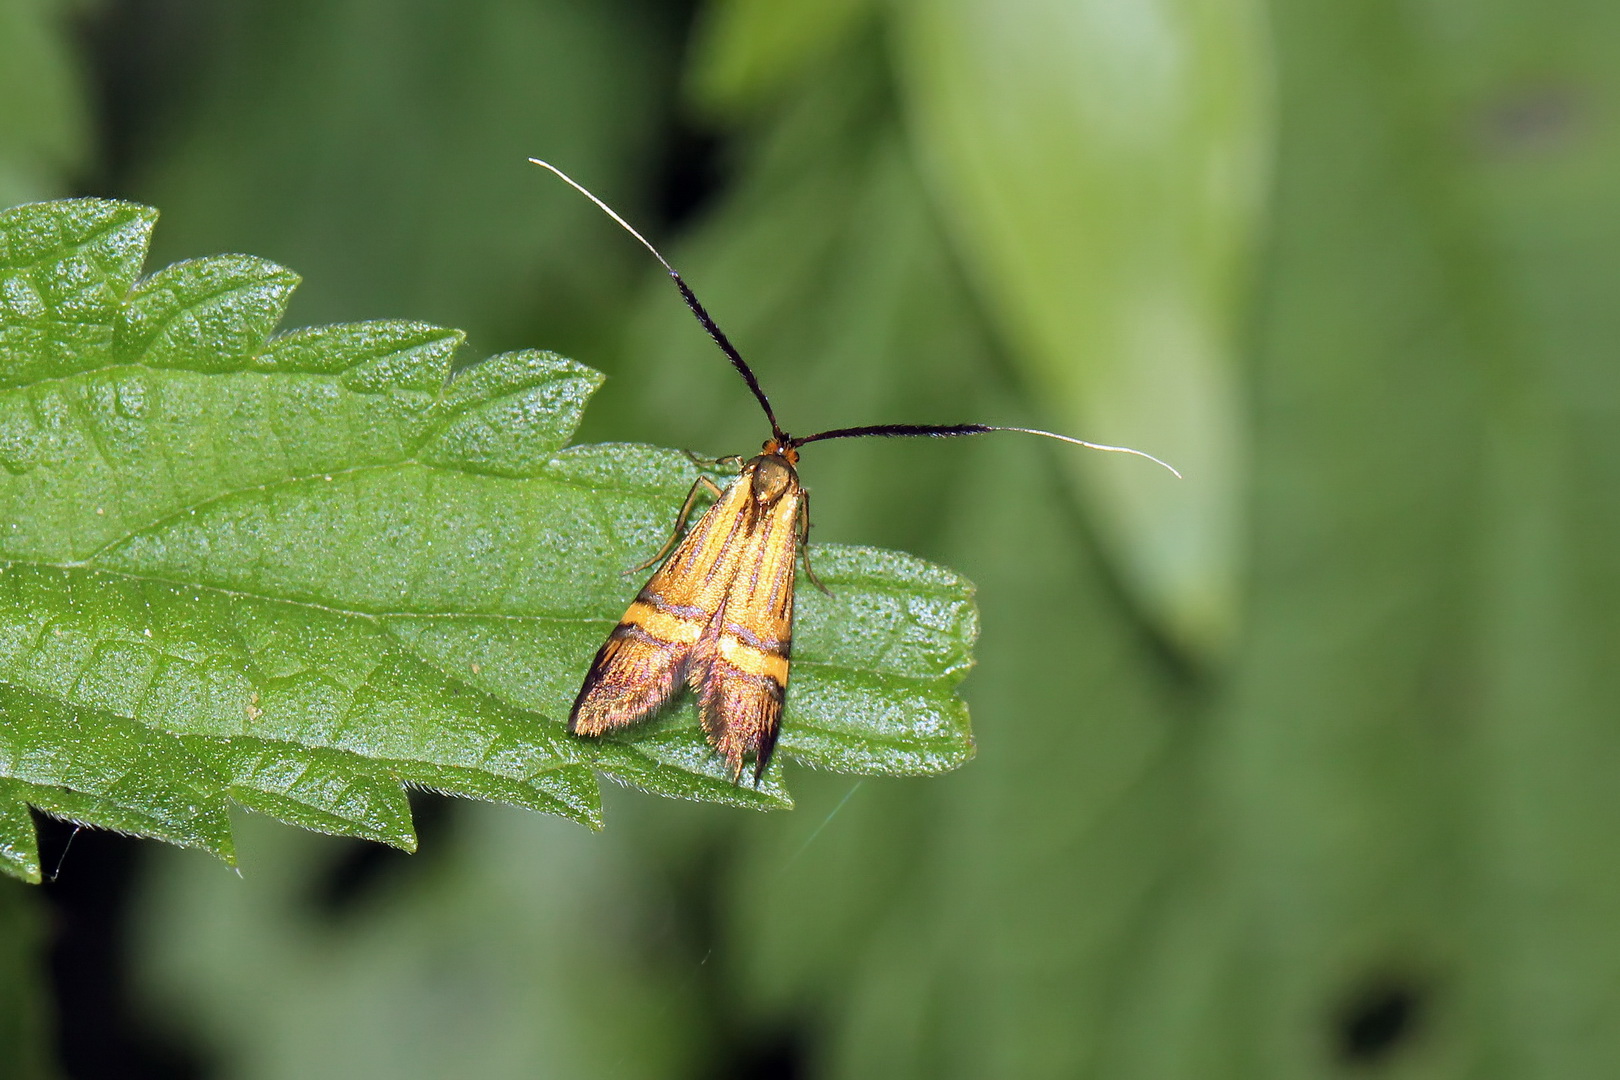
[[360, 870], [101, 1033], [1379, 1020]]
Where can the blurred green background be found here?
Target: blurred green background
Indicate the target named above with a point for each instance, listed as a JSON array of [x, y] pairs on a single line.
[[1302, 767]]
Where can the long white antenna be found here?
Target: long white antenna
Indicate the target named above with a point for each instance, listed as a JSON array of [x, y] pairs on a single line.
[[951, 431], [1096, 446], [604, 207]]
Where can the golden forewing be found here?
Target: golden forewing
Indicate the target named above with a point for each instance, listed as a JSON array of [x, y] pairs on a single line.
[[739, 666], [717, 615], [645, 658]]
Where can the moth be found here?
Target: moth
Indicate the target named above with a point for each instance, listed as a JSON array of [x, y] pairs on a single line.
[[716, 617]]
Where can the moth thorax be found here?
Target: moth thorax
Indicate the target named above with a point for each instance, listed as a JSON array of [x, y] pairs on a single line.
[[772, 477]]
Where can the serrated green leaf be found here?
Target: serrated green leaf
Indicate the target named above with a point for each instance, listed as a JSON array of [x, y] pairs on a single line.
[[299, 573], [204, 314], [64, 269]]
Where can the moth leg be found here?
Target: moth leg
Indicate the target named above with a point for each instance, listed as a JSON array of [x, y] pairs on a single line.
[[731, 460], [680, 522], [804, 544]]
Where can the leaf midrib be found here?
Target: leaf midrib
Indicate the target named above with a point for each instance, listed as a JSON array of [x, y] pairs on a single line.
[[309, 605]]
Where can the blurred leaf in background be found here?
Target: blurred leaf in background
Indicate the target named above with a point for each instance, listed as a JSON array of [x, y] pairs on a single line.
[[45, 116], [491, 960], [24, 1007], [1101, 166]]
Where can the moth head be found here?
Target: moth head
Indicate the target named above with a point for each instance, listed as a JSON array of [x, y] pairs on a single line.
[[781, 448]]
